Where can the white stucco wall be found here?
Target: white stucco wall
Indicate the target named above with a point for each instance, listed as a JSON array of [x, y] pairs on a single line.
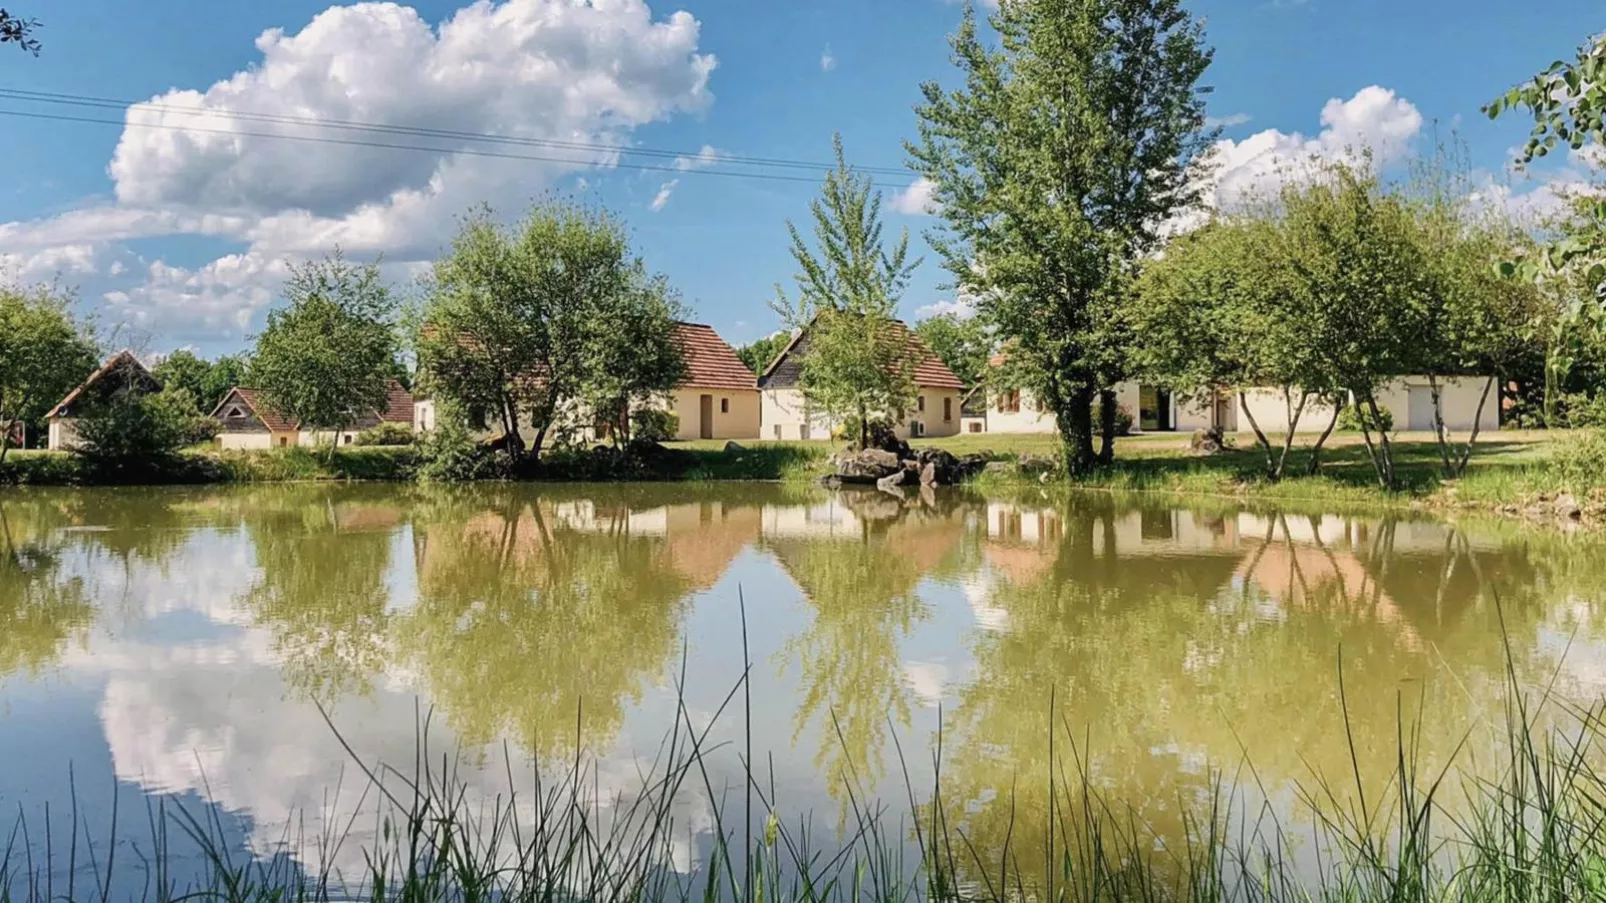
[[63, 434], [1026, 420], [782, 416], [741, 421], [246, 441], [1458, 396], [1270, 410]]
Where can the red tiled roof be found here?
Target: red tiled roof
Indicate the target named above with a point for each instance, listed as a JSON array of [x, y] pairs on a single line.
[[930, 371], [398, 408], [120, 359], [398, 405], [710, 362]]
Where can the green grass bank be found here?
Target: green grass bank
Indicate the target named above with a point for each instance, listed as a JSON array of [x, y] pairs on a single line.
[[1511, 472]]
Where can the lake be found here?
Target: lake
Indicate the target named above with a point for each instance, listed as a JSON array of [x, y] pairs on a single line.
[[247, 655]]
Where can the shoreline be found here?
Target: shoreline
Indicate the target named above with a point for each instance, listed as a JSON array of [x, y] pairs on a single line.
[[1521, 478]]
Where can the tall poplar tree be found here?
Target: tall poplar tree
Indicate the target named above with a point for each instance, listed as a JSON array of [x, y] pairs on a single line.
[[1055, 165], [858, 365]]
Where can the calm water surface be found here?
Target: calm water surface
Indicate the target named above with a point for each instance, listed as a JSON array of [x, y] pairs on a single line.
[[173, 648]]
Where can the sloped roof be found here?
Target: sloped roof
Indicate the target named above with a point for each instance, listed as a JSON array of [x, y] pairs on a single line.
[[398, 408], [930, 372], [710, 362], [124, 358]]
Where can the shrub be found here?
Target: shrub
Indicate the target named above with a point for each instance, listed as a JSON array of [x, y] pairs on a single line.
[[1351, 417], [1123, 420], [1584, 412], [449, 454], [1580, 462], [390, 434], [130, 433], [654, 424]]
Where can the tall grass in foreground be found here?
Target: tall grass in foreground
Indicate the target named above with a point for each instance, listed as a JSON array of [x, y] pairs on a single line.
[[1529, 825]]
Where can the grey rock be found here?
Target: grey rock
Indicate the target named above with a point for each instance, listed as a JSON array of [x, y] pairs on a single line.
[[867, 466], [733, 447], [1000, 468]]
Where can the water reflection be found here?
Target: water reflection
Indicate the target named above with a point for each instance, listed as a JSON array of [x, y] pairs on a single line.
[[203, 629]]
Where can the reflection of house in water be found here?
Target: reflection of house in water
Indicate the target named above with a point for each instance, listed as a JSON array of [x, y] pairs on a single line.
[[829, 519], [699, 540], [1315, 563]]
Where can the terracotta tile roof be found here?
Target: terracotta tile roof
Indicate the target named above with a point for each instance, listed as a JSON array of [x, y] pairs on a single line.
[[930, 371], [398, 405], [398, 408], [710, 362], [124, 358]]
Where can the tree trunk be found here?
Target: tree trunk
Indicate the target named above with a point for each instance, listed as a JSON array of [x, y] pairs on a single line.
[[1439, 436], [1295, 411], [6, 427], [1074, 416], [864, 429], [1106, 426], [1477, 426], [1316, 450], [1260, 436], [511, 439], [1381, 452]]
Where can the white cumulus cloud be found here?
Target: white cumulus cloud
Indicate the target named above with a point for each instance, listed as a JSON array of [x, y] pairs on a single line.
[[918, 199], [261, 159], [827, 60]]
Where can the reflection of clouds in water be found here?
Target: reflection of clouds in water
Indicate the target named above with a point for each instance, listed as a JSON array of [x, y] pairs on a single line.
[[212, 715], [928, 681], [978, 588]]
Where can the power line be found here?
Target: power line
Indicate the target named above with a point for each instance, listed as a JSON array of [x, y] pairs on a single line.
[[352, 142], [80, 100]]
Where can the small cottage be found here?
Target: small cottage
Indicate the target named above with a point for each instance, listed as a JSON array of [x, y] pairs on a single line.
[[246, 421], [121, 373]]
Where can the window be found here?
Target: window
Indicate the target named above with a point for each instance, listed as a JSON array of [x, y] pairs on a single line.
[[803, 432], [975, 427], [921, 404], [777, 431], [1009, 401], [284, 441], [724, 405], [917, 429], [347, 438], [235, 414], [947, 410]]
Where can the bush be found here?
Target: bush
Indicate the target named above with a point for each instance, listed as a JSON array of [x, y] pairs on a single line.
[[1583, 412], [129, 433], [449, 454], [1123, 420], [1351, 417], [654, 424], [387, 434], [1580, 462]]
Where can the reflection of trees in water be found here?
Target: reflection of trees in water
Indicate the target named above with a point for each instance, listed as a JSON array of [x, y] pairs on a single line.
[[41, 607], [323, 558], [1168, 662], [863, 592], [534, 626]]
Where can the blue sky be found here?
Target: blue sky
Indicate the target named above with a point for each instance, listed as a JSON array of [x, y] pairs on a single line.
[[179, 238]]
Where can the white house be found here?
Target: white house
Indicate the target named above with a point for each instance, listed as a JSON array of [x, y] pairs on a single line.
[[718, 399], [1407, 398], [246, 421], [122, 372], [785, 414]]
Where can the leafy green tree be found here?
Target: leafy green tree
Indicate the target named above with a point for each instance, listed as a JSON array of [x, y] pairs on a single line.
[[1358, 257], [963, 343], [632, 363], [1568, 105], [325, 358], [131, 433], [15, 29], [857, 366], [1223, 309], [759, 354], [44, 353], [1056, 163], [1473, 321], [184, 371], [520, 325]]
